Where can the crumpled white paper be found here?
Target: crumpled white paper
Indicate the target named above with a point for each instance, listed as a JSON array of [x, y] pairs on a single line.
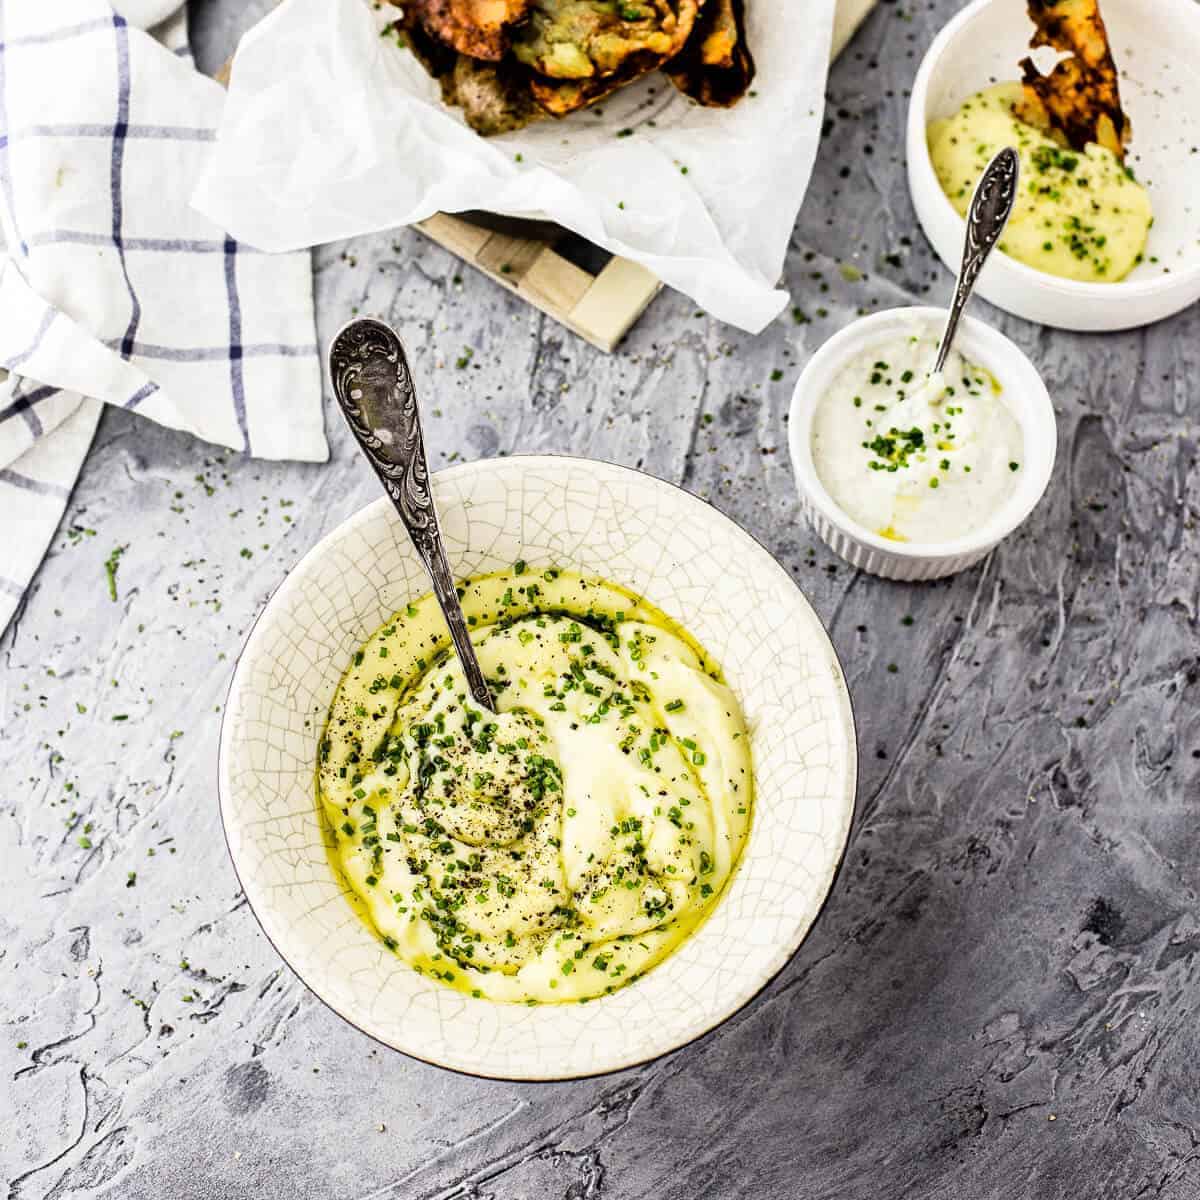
[[331, 130]]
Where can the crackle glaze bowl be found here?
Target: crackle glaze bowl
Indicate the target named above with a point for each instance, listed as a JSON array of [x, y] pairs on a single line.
[[679, 553]]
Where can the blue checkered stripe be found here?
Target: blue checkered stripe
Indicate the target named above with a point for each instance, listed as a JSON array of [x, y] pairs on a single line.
[[119, 133], [178, 278]]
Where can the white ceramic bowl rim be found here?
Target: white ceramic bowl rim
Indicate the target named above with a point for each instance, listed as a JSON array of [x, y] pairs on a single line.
[[977, 342], [783, 950], [1123, 289]]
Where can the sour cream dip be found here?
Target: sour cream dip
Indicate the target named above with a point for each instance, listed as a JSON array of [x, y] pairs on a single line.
[[913, 457]]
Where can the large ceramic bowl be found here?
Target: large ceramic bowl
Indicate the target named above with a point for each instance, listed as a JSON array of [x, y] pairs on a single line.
[[1156, 44], [682, 555]]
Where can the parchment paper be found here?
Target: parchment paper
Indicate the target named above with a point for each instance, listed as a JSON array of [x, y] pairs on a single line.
[[331, 130]]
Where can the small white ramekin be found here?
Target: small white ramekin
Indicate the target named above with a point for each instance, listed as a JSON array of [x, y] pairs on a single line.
[[1156, 44], [1027, 400]]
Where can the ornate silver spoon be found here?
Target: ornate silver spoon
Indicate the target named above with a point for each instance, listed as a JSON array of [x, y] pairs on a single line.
[[991, 205], [374, 388]]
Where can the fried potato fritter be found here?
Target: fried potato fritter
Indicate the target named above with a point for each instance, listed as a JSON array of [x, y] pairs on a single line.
[[559, 97], [715, 67], [583, 39], [476, 28], [1079, 100], [508, 62], [494, 97]]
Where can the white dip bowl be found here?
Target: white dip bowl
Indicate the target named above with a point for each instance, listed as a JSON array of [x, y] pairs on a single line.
[[1156, 44], [1022, 391], [679, 553]]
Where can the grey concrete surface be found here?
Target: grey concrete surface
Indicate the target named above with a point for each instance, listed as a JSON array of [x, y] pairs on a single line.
[[1001, 997]]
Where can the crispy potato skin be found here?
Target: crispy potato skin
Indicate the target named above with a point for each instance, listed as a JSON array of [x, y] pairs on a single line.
[[715, 68], [561, 97], [1079, 100], [476, 28]]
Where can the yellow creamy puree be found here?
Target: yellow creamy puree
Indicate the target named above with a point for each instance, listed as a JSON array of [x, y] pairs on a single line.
[[559, 848], [1080, 216]]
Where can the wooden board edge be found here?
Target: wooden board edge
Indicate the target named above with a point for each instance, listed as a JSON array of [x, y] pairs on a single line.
[[605, 309], [848, 16], [612, 305]]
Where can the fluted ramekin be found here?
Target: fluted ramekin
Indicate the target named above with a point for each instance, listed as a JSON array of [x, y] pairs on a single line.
[[1024, 393]]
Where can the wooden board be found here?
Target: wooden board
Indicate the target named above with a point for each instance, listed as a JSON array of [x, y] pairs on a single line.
[[601, 307]]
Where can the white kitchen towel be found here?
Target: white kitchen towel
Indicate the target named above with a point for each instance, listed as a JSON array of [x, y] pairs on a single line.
[[114, 289]]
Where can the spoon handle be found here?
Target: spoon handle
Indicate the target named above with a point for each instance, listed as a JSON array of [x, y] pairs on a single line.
[[995, 195], [373, 386]]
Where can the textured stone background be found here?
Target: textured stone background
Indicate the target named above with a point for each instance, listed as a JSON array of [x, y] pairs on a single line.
[[1001, 997]]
